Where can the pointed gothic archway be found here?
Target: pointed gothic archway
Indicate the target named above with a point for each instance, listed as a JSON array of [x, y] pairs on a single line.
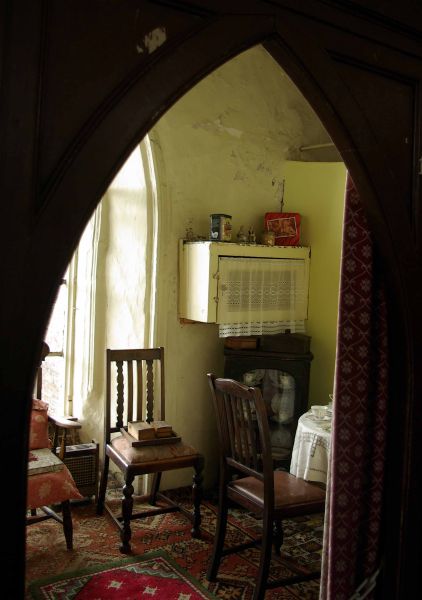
[[84, 110]]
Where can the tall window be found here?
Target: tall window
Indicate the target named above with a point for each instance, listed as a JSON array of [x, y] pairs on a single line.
[[107, 294], [53, 389]]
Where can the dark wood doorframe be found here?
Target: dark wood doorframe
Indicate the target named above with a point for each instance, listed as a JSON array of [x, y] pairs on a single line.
[[47, 206]]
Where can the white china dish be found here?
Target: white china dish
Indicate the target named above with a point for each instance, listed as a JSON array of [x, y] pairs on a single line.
[[319, 411]]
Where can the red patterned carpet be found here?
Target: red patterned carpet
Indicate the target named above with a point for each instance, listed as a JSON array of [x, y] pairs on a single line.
[[96, 542], [152, 574]]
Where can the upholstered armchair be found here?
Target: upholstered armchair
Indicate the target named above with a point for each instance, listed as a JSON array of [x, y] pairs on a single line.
[[50, 484]]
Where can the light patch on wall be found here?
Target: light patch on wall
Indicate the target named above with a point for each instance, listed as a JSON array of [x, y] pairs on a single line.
[[230, 130], [219, 127], [153, 40], [131, 175]]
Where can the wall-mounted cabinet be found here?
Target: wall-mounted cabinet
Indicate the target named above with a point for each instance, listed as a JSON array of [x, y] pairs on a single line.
[[224, 282]]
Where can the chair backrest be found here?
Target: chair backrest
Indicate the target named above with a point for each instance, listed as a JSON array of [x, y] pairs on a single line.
[[45, 349], [135, 378], [38, 426], [243, 429]]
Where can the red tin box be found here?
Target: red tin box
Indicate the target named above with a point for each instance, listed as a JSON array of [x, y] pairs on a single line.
[[286, 227]]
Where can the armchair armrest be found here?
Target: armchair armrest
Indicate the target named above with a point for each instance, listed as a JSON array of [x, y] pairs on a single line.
[[64, 423]]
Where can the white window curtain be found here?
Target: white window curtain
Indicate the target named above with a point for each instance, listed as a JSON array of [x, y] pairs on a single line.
[[257, 295]]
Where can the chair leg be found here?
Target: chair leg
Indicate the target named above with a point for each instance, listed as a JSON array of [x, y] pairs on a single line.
[[67, 524], [220, 534], [156, 480], [197, 497], [278, 536], [127, 506], [264, 562], [103, 485]]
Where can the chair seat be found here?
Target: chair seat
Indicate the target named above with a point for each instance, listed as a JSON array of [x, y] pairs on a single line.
[[292, 496], [149, 457], [45, 489]]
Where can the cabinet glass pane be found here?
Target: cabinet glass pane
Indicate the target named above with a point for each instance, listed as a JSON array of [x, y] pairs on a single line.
[[278, 390]]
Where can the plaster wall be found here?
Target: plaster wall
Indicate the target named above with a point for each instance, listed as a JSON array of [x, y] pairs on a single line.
[[224, 147]]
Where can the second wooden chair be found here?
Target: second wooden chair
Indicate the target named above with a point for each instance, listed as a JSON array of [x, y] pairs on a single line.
[[247, 478]]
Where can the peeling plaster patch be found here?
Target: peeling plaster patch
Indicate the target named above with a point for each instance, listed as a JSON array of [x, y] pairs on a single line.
[[239, 176], [264, 168], [153, 40], [202, 125], [230, 130]]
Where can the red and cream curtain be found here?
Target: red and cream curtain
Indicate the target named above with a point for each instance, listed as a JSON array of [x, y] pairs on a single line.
[[356, 483]]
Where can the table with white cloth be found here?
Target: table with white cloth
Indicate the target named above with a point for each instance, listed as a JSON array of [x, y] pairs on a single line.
[[311, 449]]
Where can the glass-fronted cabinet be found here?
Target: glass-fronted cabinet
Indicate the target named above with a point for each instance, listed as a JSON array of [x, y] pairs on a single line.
[[280, 367]]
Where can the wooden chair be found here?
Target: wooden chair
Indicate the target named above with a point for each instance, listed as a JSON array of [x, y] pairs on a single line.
[[49, 481], [247, 478], [140, 376]]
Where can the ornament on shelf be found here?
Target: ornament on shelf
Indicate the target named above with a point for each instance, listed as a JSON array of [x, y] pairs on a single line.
[[242, 236], [190, 236], [251, 235]]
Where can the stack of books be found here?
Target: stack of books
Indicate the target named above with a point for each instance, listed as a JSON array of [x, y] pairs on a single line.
[[141, 430]]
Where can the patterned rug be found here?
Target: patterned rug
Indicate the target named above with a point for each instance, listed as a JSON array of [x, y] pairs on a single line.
[[154, 575], [96, 542]]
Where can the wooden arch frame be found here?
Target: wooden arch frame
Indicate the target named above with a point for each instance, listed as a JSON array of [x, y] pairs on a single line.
[[61, 188]]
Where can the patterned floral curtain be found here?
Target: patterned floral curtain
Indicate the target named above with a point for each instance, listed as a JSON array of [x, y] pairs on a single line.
[[356, 482]]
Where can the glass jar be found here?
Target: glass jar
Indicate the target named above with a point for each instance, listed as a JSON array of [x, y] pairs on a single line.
[[220, 227], [268, 238]]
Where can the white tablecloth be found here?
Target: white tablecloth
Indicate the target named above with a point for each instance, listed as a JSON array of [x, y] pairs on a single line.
[[311, 449]]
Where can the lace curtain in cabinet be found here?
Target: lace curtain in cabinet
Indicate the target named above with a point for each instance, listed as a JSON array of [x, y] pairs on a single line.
[[262, 295]]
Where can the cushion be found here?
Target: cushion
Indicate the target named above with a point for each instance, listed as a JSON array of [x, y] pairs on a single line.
[[135, 455], [38, 433], [45, 489]]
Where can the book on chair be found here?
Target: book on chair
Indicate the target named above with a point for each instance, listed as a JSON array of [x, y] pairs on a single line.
[[141, 430], [162, 429]]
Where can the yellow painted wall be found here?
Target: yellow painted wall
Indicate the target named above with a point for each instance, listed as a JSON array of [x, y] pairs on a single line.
[[316, 191], [222, 148]]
